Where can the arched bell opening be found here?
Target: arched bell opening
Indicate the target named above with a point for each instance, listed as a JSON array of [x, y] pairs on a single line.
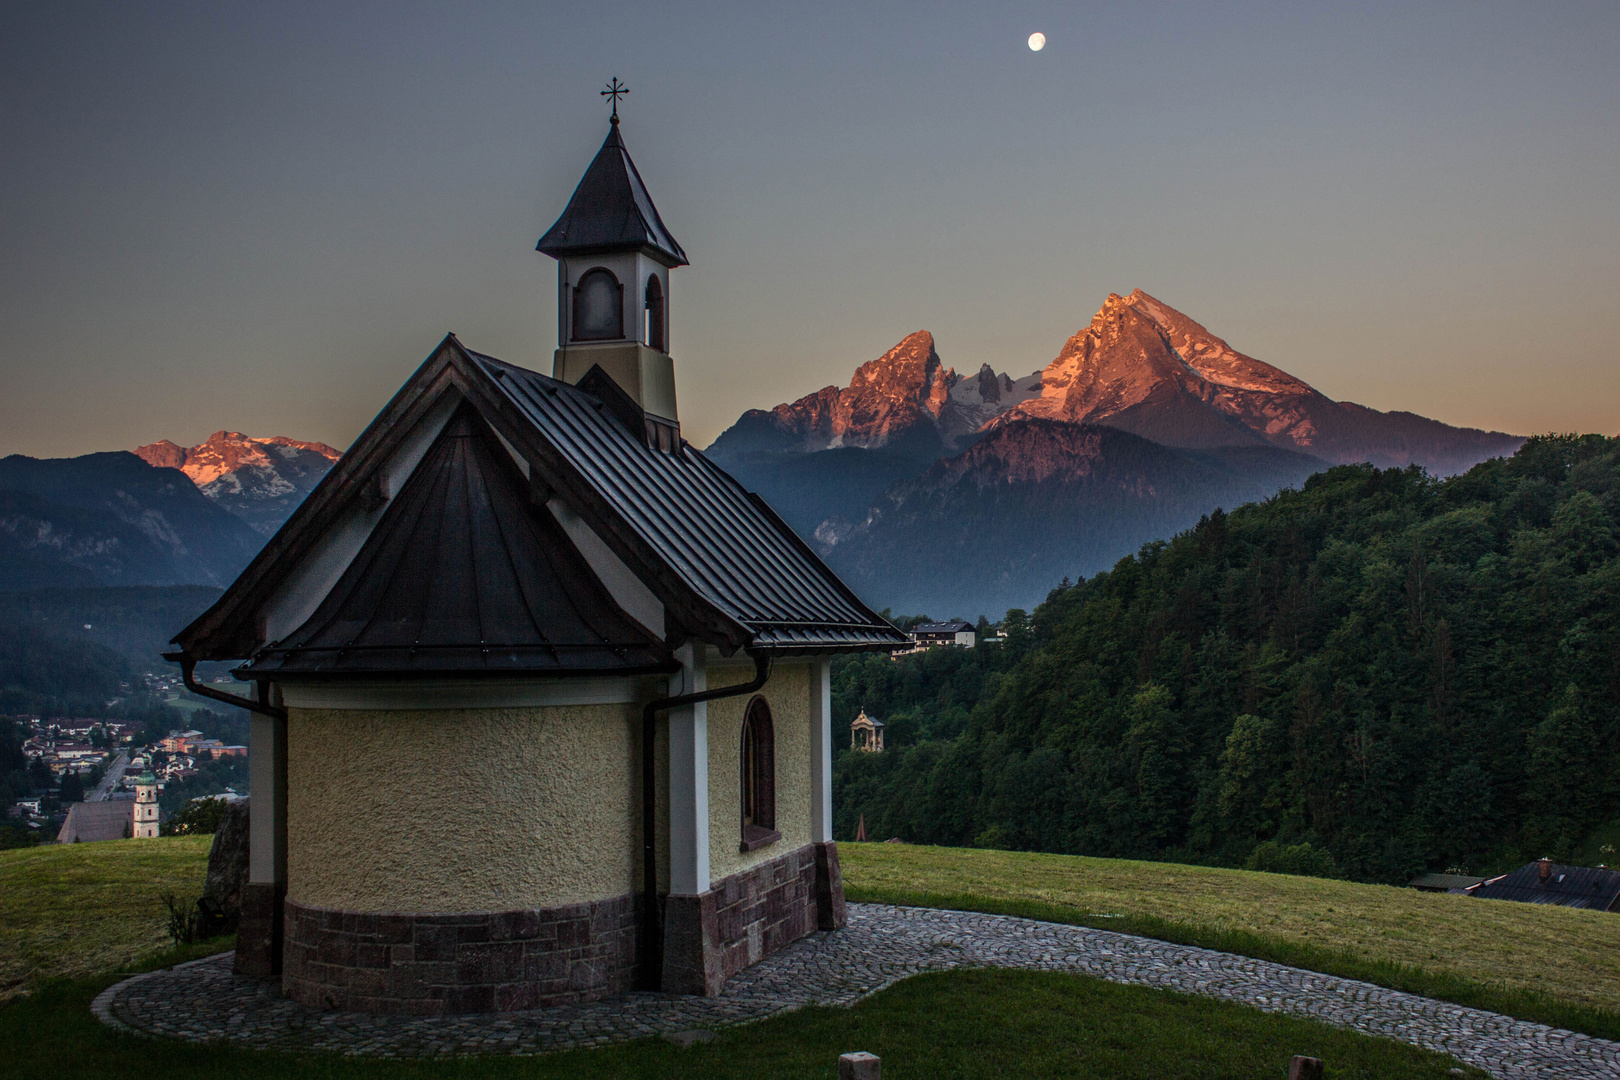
[[657, 333], [598, 306]]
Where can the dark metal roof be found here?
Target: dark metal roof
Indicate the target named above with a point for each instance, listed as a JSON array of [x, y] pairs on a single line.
[[955, 627], [1567, 886], [611, 210], [724, 543], [464, 574], [1444, 882]]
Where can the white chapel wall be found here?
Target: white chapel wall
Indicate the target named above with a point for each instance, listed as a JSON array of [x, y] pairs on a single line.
[[788, 694], [467, 810]]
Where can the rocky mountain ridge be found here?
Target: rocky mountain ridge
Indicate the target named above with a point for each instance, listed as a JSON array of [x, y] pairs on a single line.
[[260, 480], [932, 491], [906, 400], [1145, 367], [1140, 366]]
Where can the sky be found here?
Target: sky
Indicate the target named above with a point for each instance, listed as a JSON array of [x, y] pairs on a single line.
[[262, 217]]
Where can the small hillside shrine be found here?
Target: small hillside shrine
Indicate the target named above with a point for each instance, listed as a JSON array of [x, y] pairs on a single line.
[[865, 733], [613, 657]]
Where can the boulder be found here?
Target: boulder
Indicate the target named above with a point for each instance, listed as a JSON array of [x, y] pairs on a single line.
[[228, 862]]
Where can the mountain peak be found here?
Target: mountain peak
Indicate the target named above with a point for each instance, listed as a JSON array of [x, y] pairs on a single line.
[[908, 367], [906, 401], [260, 480], [1139, 366]]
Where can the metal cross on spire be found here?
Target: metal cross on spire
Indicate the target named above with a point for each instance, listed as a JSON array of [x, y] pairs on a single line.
[[615, 90]]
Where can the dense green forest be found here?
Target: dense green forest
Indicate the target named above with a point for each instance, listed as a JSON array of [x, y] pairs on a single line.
[[1379, 674]]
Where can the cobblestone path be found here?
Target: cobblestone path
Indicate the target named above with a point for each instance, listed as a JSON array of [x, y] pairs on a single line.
[[203, 1001]]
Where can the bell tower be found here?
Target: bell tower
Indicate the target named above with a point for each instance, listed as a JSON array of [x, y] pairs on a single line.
[[146, 805], [614, 255]]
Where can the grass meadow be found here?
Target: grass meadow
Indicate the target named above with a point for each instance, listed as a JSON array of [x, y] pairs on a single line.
[[85, 909], [1551, 964], [73, 917]]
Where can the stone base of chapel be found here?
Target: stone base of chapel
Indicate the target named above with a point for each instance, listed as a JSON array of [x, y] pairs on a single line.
[[748, 916], [435, 965], [504, 961], [259, 930]]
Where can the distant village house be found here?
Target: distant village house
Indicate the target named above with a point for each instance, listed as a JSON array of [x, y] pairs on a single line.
[[934, 634]]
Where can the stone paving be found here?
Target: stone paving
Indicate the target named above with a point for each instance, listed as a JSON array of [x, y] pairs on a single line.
[[204, 1001]]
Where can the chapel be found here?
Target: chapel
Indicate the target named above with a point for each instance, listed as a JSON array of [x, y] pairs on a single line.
[[541, 703]]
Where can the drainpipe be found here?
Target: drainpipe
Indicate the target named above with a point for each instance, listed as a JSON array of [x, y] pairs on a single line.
[[188, 664], [652, 945]]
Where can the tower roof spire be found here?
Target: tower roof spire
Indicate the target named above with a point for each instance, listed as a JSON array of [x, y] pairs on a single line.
[[615, 90], [610, 209]]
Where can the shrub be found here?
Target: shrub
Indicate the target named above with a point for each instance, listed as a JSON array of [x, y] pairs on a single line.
[[1301, 859], [195, 818]]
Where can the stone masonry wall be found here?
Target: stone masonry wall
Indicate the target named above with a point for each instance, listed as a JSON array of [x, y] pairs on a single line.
[[434, 965], [748, 916], [764, 908]]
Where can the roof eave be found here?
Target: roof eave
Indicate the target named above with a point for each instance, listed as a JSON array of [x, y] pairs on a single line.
[[221, 633], [658, 253]]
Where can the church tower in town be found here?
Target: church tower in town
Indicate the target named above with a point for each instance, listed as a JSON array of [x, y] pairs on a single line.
[[614, 255], [146, 805]]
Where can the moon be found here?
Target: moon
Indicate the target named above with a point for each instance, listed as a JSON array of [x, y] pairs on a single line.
[[1037, 41]]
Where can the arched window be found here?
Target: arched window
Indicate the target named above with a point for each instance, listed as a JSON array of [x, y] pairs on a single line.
[[598, 307], [758, 777], [655, 314]]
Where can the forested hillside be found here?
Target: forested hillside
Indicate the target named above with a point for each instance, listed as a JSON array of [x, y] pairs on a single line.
[[1400, 672]]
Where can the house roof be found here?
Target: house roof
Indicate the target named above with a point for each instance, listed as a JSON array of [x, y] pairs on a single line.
[[1437, 882], [91, 821], [727, 569], [954, 627], [464, 573], [611, 211], [1568, 886]]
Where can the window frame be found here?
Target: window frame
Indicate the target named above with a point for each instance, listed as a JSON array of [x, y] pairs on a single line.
[[757, 776]]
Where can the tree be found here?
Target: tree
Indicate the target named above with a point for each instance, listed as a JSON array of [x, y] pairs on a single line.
[[197, 816], [1564, 788]]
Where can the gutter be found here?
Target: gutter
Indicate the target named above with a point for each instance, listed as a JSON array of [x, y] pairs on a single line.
[[188, 665], [651, 936]]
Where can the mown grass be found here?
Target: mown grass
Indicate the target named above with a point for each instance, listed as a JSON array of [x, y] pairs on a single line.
[[82, 909], [1552, 965], [963, 1024]]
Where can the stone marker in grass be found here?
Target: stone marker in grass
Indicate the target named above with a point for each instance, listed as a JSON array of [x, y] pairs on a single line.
[[860, 1066], [1305, 1068]]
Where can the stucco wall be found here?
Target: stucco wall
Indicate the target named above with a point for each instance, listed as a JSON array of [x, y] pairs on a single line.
[[462, 810], [788, 694]]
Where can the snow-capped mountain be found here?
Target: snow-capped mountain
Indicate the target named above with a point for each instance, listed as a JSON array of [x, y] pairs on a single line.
[[261, 481]]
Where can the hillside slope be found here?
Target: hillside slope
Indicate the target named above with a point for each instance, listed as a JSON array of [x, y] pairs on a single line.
[[82, 909], [1405, 674], [1529, 950], [113, 519], [1036, 501]]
